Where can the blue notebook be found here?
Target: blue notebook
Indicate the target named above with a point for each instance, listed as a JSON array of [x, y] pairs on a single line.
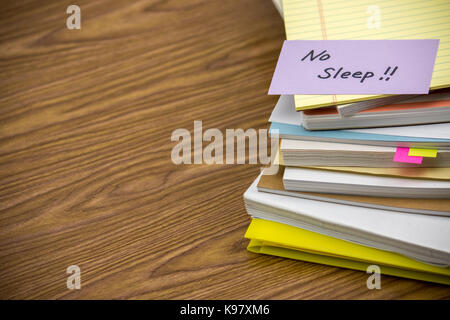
[[290, 131]]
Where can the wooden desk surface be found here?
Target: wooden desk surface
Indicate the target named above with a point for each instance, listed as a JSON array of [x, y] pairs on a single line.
[[85, 169]]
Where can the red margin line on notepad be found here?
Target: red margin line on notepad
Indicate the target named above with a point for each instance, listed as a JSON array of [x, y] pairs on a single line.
[[324, 31]]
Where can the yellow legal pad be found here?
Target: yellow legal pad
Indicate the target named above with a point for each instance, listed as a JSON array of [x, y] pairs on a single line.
[[369, 20], [286, 241]]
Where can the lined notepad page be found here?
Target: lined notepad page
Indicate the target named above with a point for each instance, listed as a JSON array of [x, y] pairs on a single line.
[[367, 20]]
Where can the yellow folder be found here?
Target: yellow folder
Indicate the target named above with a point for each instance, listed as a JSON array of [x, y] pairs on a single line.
[[283, 240]]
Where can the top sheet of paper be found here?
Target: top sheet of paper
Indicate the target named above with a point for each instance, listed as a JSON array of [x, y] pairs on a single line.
[[355, 67]]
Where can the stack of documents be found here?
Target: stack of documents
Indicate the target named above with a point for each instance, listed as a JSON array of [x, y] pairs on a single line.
[[383, 20], [372, 188]]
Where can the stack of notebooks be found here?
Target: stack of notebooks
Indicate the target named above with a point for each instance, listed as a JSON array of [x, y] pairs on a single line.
[[368, 189]]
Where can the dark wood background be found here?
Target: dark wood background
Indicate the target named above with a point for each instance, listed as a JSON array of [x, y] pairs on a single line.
[[85, 168]]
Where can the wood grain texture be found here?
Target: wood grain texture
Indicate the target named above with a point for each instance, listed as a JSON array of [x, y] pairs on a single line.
[[85, 169]]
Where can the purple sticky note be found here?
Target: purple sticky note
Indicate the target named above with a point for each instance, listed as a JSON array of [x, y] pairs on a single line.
[[401, 155], [355, 67]]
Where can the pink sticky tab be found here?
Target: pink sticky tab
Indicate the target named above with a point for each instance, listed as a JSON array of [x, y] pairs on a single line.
[[401, 155]]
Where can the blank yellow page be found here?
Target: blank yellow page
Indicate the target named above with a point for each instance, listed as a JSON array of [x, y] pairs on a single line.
[[367, 20]]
